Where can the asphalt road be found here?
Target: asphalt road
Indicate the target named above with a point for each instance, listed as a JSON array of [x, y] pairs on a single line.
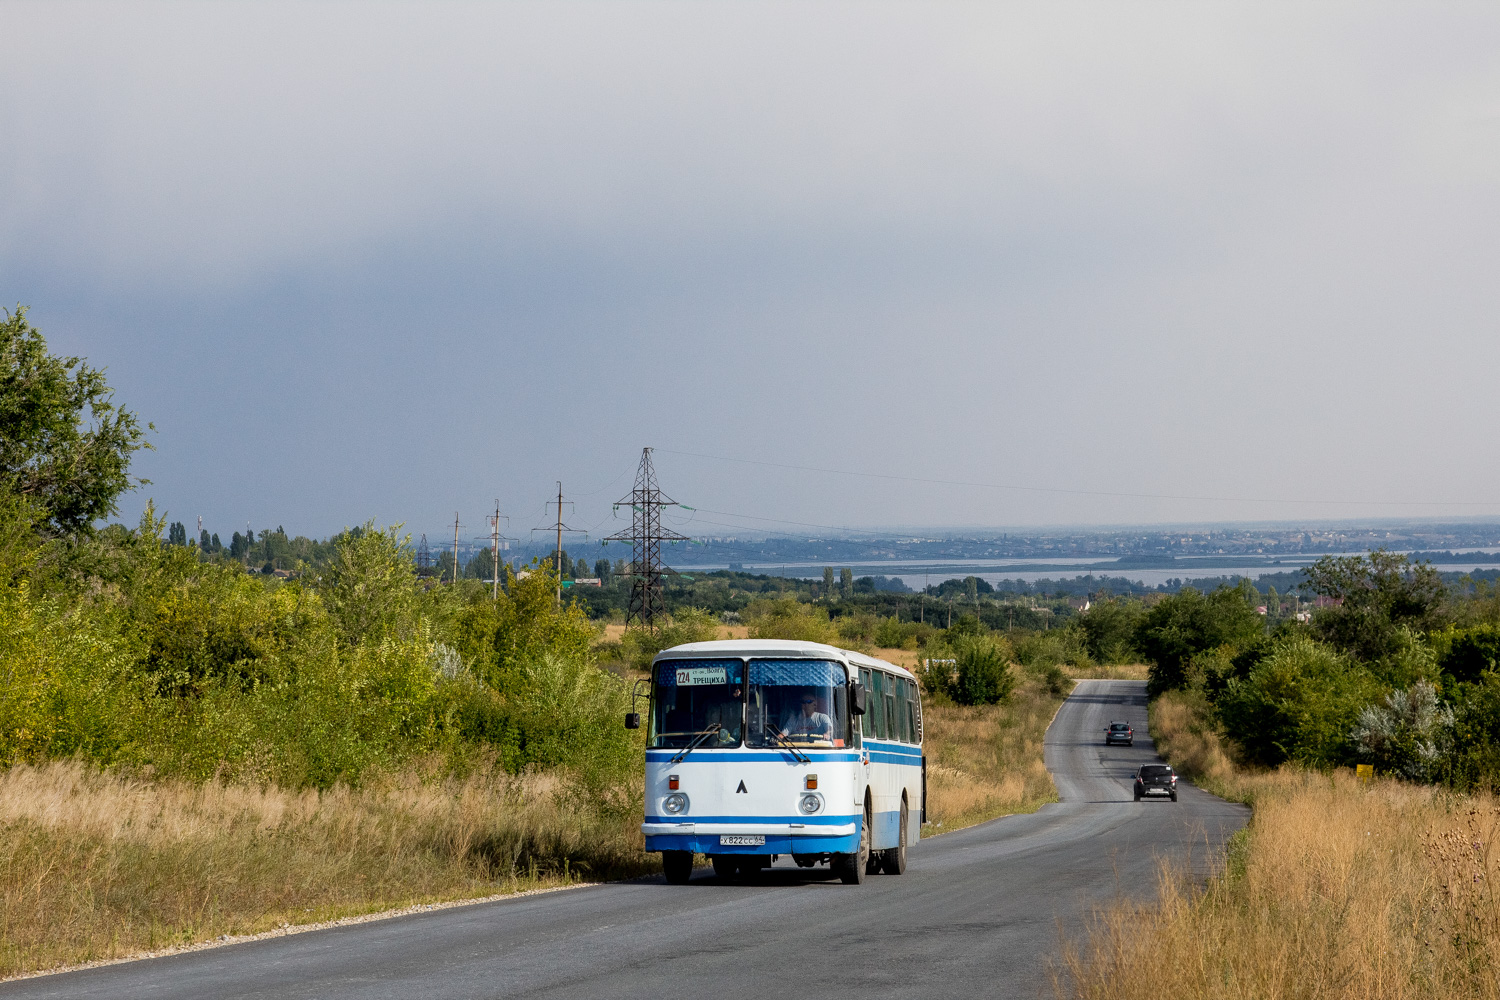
[[979, 912]]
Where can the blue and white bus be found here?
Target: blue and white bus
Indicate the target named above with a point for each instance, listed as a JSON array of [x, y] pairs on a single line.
[[759, 748]]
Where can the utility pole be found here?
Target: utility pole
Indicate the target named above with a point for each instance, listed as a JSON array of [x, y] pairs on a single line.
[[559, 527], [495, 538], [495, 547], [456, 526], [645, 537]]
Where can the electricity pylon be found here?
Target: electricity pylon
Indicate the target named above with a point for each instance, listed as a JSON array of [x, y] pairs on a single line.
[[645, 537]]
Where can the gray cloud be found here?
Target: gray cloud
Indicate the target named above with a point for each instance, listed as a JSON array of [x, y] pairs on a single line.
[[391, 261]]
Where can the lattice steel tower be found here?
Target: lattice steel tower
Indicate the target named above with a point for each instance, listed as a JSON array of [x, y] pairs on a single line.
[[646, 536]]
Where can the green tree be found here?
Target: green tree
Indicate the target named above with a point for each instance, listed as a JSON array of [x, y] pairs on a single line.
[[1109, 629], [846, 582], [369, 587], [827, 581], [1378, 595], [63, 442], [984, 676], [1298, 703], [1188, 623], [1465, 654]]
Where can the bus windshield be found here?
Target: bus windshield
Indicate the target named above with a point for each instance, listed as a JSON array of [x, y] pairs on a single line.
[[801, 702], [698, 702]]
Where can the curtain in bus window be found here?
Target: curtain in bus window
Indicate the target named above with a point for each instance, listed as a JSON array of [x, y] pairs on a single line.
[[867, 720], [917, 711], [877, 705], [909, 688], [893, 724]]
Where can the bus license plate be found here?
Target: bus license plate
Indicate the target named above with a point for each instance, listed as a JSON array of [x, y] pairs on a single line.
[[742, 840]]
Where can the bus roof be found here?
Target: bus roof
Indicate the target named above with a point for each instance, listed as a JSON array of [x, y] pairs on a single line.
[[777, 647]]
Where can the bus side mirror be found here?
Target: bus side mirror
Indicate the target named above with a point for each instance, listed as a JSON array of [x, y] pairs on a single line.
[[632, 720], [857, 699]]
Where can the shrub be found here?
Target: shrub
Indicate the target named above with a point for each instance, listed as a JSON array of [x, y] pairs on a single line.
[[983, 676], [1466, 653], [1299, 703], [1408, 734], [685, 625], [786, 618]]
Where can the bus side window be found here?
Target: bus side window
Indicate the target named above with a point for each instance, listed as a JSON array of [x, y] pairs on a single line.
[[912, 727], [866, 722], [877, 698], [902, 724], [916, 710], [894, 726], [911, 710]]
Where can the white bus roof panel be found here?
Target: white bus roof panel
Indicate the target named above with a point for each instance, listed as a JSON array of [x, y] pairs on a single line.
[[776, 647]]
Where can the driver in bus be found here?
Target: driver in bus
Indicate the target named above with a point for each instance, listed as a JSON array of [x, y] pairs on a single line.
[[807, 721]]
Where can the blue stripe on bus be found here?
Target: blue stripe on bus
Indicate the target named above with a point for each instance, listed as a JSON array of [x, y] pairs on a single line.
[[891, 758], [904, 749]]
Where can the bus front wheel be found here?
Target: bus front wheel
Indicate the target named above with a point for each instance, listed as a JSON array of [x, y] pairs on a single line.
[[851, 868], [678, 866]]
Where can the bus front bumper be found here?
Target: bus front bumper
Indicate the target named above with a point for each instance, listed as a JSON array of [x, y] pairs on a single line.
[[780, 838]]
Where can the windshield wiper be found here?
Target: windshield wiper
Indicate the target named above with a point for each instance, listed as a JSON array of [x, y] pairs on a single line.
[[780, 737], [696, 743]]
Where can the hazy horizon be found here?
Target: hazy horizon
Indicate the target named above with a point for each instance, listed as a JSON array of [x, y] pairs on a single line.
[[1084, 265]]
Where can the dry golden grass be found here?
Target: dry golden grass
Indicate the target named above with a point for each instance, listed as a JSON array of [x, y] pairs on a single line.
[[1188, 740], [986, 761], [93, 865], [1335, 891]]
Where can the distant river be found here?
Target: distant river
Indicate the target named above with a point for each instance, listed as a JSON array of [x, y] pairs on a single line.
[[917, 573]]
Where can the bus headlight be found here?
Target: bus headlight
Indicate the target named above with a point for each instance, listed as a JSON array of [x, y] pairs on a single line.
[[811, 802], [675, 804]]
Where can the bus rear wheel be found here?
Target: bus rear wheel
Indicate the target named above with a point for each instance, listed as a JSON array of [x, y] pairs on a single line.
[[851, 868], [678, 866], [893, 860], [725, 867]]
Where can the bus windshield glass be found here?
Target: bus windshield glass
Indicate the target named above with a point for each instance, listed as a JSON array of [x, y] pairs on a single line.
[[698, 702], [799, 702]]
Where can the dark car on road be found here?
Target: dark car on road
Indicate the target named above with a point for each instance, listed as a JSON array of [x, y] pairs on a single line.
[[1155, 779], [1119, 732]]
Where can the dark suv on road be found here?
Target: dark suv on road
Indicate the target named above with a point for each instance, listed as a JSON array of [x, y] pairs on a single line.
[[1155, 779], [1119, 732]]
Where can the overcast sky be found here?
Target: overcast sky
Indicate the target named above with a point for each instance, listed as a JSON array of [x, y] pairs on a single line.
[[395, 261]]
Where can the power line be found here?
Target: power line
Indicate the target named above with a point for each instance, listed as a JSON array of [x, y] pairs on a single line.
[[1076, 492]]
